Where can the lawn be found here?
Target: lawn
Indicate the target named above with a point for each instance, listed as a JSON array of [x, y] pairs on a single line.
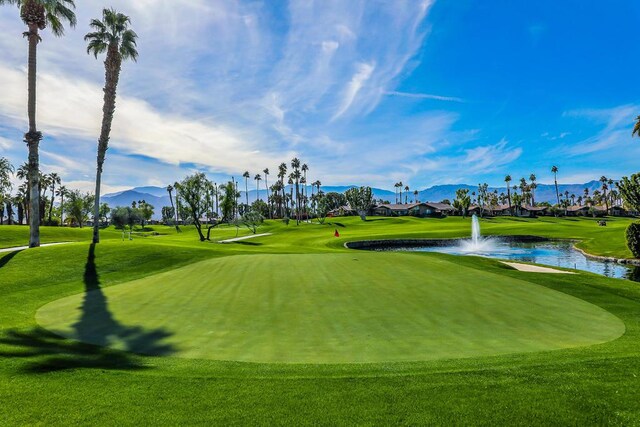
[[171, 289]]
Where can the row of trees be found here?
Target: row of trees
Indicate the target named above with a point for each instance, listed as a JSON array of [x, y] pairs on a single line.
[[112, 35], [57, 205]]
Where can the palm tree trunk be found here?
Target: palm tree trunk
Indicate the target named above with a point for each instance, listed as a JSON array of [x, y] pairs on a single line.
[[53, 194], [61, 209], [555, 180], [246, 190], [297, 203], [33, 138], [112, 75]]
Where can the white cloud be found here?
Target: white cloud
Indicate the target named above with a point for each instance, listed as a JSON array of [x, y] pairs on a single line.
[[5, 143], [424, 96], [241, 95], [138, 128], [362, 74], [616, 132]]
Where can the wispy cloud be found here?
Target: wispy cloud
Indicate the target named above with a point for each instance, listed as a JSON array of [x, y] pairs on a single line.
[[273, 85], [360, 77], [424, 96], [615, 132]]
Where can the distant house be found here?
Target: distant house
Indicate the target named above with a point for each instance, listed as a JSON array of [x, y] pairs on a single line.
[[578, 210], [341, 211], [500, 210], [473, 210], [423, 209], [532, 211], [618, 211], [586, 211]]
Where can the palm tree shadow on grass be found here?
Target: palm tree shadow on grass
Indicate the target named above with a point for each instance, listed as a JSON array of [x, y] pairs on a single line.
[[95, 329], [8, 257]]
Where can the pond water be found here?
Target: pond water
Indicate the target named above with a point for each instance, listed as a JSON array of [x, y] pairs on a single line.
[[551, 253]]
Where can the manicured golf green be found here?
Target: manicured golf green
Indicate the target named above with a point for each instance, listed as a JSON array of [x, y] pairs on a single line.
[[331, 308], [159, 293]]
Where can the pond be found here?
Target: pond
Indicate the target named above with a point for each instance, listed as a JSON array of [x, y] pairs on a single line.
[[551, 253]]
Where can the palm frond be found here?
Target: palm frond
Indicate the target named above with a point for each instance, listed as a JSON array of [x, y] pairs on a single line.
[[112, 30], [636, 128], [96, 47]]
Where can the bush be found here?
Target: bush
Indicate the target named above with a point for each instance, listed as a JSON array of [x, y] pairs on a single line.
[[633, 238]]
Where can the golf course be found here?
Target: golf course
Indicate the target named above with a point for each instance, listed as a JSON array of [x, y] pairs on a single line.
[[291, 327]]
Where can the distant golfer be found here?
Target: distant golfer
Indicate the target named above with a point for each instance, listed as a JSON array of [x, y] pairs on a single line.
[[336, 234]]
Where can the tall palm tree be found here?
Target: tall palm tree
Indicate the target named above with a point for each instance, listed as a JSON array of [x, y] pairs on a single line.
[[54, 179], [258, 178], [282, 172], [176, 187], [170, 190], [507, 179], [295, 165], [304, 169], [604, 180], [113, 36], [266, 187], [415, 196], [395, 186], [533, 187], [554, 170], [400, 185], [62, 193], [246, 177], [406, 193], [36, 15]]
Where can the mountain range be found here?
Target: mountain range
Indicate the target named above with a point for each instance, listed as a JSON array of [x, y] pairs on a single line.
[[158, 196]]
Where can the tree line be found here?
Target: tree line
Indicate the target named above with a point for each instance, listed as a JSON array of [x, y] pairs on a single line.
[[111, 35]]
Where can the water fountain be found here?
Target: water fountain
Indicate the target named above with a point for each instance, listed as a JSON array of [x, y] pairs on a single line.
[[477, 244]]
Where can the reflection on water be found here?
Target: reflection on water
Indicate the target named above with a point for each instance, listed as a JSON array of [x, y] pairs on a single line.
[[556, 254]]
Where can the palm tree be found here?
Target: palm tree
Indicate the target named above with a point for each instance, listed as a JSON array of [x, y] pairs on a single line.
[[295, 165], [406, 194], [53, 179], [266, 187], [304, 169], [507, 179], [176, 187], [554, 170], [246, 177], [113, 36], [533, 187], [36, 14], [396, 185], [258, 178], [636, 128], [62, 193], [400, 185], [170, 190], [282, 172], [604, 180], [415, 195]]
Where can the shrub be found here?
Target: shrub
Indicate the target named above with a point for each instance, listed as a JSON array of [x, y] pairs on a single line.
[[633, 238]]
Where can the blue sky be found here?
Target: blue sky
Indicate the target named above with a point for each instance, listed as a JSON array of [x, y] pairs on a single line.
[[365, 92]]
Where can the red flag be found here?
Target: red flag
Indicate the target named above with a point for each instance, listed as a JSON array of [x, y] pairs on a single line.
[[336, 234]]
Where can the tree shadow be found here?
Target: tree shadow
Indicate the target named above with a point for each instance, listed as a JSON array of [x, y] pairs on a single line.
[[244, 243], [8, 257], [95, 330]]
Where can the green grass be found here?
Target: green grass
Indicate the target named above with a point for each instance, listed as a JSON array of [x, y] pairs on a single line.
[[331, 308], [45, 379]]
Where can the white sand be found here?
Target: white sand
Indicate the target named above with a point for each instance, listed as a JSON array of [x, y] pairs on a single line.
[[21, 248], [535, 268], [244, 238]]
